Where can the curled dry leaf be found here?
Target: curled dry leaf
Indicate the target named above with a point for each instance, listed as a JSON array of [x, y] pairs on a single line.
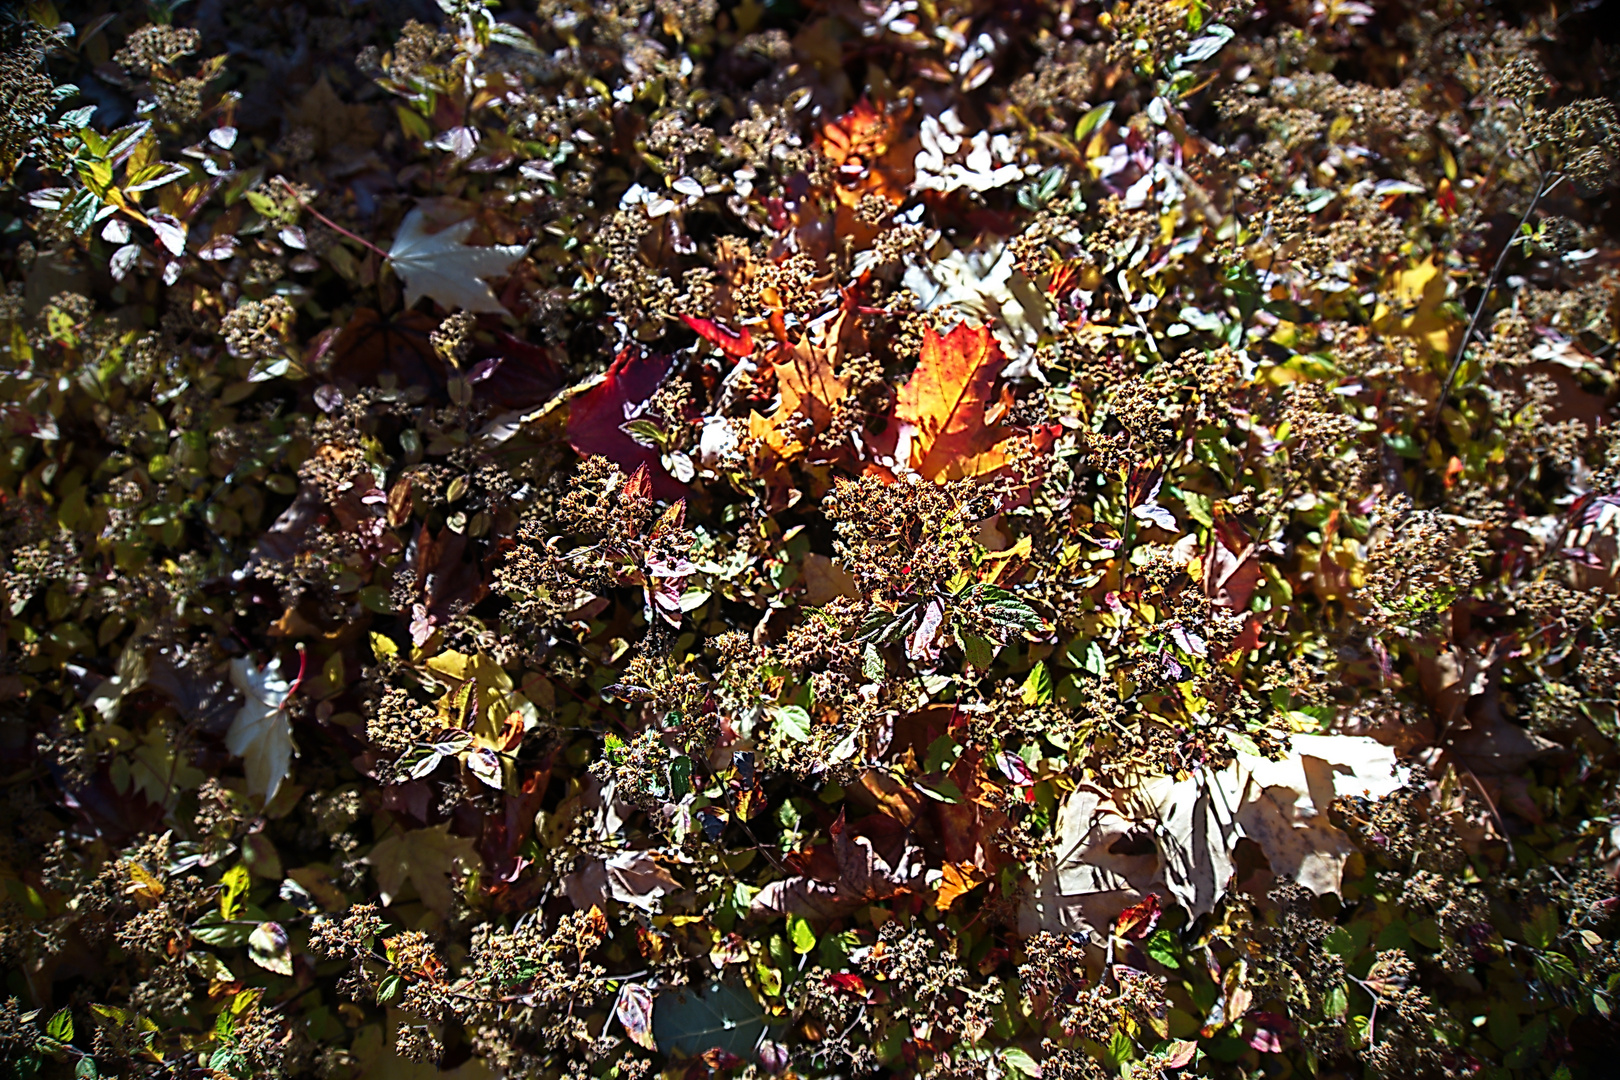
[[1195, 824]]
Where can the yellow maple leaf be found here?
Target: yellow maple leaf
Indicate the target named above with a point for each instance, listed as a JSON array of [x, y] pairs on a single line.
[[958, 879]]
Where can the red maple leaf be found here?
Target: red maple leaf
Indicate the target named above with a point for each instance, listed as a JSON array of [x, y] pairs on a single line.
[[596, 419]]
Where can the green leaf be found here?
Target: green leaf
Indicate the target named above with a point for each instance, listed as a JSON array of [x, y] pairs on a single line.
[[680, 777], [1092, 120], [388, 989], [1037, 688], [1164, 948], [792, 721], [1018, 1059], [1008, 613], [155, 175], [1541, 929], [212, 930], [723, 1016], [800, 933], [60, 1027], [85, 1069], [834, 949], [1554, 967], [232, 884], [942, 754], [980, 652], [111, 1013], [1340, 943], [375, 598], [944, 791], [1120, 1047]]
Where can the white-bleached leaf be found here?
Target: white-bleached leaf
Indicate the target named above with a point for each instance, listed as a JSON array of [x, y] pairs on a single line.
[[1202, 48], [269, 947], [486, 765], [261, 734], [441, 266], [1195, 824], [171, 232]]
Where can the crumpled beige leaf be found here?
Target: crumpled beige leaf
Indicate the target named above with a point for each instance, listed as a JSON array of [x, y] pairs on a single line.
[[1089, 883], [261, 733], [1197, 823], [425, 857], [630, 877], [442, 266]]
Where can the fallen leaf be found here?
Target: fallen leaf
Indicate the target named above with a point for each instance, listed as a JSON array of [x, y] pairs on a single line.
[[1196, 824], [1104, 863], [867, 153], [1138, 921], [737, 345], [863, 876], [945, 400], [425, 857], [269, 947], [630, 877], [634, 1008], [596, 418], [442, 266], [261, 733], [1232, 565], [957, 879]]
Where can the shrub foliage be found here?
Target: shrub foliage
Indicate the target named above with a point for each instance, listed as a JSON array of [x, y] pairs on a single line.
[[937, 538]]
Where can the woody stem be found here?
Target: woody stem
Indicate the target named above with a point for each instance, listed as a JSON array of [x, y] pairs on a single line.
[[1543, 187]]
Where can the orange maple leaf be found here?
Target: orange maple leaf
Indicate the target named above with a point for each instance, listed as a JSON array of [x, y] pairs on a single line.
[[958, 878], [809, 384], [869, 157], [945, 400], [807, 378]]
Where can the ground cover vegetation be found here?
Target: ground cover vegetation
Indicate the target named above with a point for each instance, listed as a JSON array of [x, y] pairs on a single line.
[[926, 538]]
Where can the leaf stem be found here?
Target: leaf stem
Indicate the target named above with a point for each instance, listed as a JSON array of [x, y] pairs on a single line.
[[303, 667], [328, 222]]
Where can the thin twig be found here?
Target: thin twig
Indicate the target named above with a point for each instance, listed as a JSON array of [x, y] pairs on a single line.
[[1544, 187], [1372, 1020], [328, 222]]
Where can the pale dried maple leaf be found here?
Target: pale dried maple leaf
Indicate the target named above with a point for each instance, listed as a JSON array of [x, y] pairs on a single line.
[[423, 856], [1196, 824], [261, 733], [442, 266]]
